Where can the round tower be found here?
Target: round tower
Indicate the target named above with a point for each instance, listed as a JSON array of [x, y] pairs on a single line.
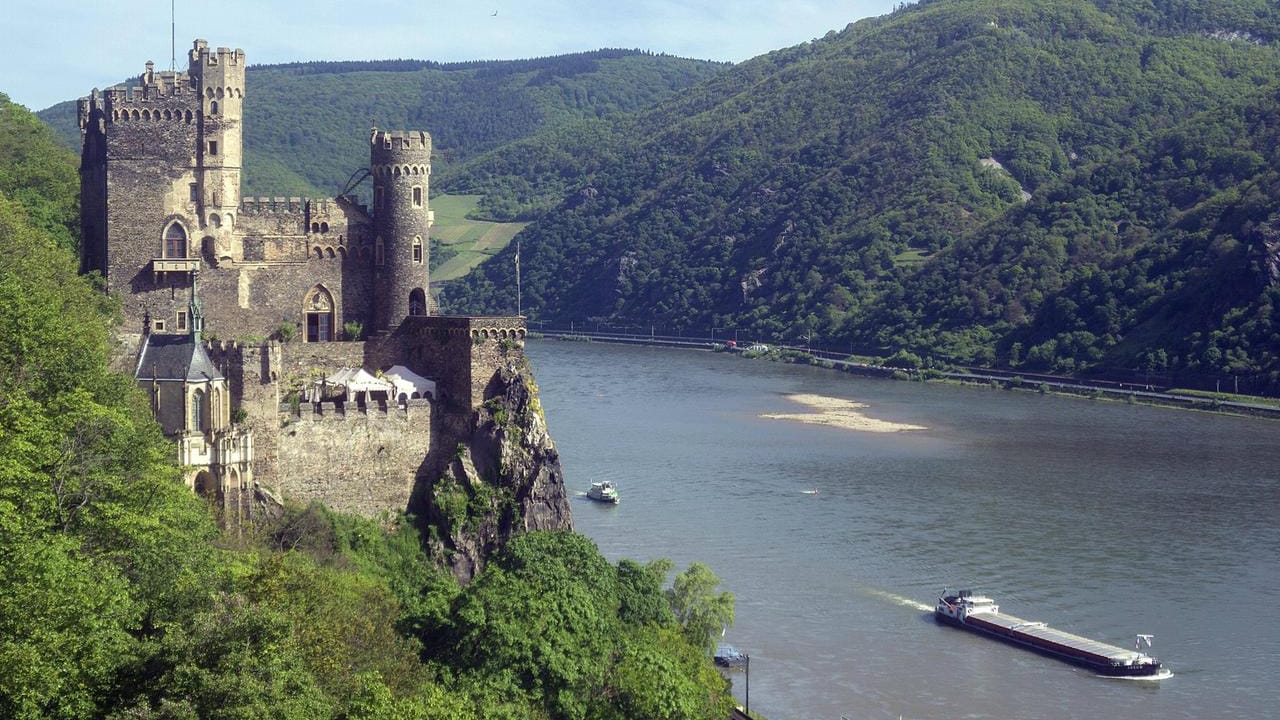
[[400, 163]]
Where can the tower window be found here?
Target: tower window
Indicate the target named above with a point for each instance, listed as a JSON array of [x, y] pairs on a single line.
[[182, 321], [380, 253], [195, 192], [417, 250], [417, 196], [417, 302], [213, 147], [213, 108]]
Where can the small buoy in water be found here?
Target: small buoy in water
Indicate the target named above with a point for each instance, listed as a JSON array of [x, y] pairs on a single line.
[[810, 492]]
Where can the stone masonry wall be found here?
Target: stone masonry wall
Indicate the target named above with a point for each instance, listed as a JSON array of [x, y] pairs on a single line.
[[364, 463]]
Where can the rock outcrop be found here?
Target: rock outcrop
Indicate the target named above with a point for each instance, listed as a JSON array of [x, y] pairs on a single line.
[[503, 479]]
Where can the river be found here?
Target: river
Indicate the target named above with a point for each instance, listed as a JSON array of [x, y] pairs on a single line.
[[1102, 519]]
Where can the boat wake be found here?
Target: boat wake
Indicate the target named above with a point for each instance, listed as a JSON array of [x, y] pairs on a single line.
[[900, 600]]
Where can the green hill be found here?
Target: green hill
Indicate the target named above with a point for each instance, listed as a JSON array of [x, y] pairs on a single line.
[[1056, 185], [307, 124]]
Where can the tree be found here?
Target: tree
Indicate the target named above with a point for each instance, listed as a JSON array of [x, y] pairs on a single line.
[[700, 610]]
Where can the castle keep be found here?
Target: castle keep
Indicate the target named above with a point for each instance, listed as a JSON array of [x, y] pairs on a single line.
[[236, 309], [161, 202]]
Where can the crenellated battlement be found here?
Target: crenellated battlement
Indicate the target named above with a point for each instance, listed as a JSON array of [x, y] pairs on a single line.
[[399, 152], [200, 54], [275, 206]]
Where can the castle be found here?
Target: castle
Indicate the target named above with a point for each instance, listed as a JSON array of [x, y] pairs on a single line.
[[235, 307]]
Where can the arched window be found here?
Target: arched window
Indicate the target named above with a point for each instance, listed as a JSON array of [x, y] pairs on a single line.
[[215, 409], [417, 250], [324, 227], [319, 254], [317, 308], [315, 227], [197, 411], [175, 241], [215, 220], [213, 107], [417, 302]]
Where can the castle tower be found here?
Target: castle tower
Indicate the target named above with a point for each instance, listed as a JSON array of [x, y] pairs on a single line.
[[218, 80], [401, 164]]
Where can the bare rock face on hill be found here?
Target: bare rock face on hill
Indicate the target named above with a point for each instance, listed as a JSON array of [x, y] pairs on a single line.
[[503, 480]]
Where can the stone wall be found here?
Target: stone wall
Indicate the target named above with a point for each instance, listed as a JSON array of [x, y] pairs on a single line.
[[462, 354], [364, 463]]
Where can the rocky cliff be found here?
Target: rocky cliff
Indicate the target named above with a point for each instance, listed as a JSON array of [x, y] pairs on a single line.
[[503, 478]]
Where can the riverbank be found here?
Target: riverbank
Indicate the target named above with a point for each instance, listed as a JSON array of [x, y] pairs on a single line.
[[996, 379]]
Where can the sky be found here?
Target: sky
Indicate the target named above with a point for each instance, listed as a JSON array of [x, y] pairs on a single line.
[[72, 46]]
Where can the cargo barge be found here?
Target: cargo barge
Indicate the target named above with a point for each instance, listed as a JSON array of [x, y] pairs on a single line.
[[981, 614]]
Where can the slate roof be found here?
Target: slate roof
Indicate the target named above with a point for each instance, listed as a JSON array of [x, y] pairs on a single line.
[[175, 357]]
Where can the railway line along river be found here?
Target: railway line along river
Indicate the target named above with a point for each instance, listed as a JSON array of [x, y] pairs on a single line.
[[1101, 519]]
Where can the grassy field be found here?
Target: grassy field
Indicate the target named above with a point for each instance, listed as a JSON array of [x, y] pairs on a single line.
[[1231, 397], [910, 258], [474, 240]]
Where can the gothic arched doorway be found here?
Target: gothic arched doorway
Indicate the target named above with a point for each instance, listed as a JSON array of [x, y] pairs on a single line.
[[318, 312]]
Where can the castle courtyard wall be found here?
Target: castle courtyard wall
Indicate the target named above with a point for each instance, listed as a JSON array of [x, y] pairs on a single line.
[[360, 462]]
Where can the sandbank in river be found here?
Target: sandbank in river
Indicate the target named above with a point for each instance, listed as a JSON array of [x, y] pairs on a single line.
[[836, 412]]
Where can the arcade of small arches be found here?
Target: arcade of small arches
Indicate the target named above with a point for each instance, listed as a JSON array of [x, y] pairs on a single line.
[[127, 115], [219, 93], [328, 252], [400, 170], [498, 334], [207, 485]]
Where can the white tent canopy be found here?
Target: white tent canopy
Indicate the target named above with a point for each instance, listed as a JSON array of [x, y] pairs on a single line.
[[409, 384], [352, 380]]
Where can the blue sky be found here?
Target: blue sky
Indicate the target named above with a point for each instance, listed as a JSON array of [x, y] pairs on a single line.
[[73, 46]]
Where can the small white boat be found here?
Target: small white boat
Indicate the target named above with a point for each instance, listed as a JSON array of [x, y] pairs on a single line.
[[604, 492]]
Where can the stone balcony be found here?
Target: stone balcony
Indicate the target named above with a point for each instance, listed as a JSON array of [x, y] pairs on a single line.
[[182, 265]]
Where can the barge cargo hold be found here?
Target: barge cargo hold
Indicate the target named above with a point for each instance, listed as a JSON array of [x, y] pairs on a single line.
[[982, 615]]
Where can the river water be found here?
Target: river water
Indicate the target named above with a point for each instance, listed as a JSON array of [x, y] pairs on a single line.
[[1102, 519]]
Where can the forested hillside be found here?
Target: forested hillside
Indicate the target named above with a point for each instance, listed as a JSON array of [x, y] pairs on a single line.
[[1050, 184], [306, 125], [120, 598]]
